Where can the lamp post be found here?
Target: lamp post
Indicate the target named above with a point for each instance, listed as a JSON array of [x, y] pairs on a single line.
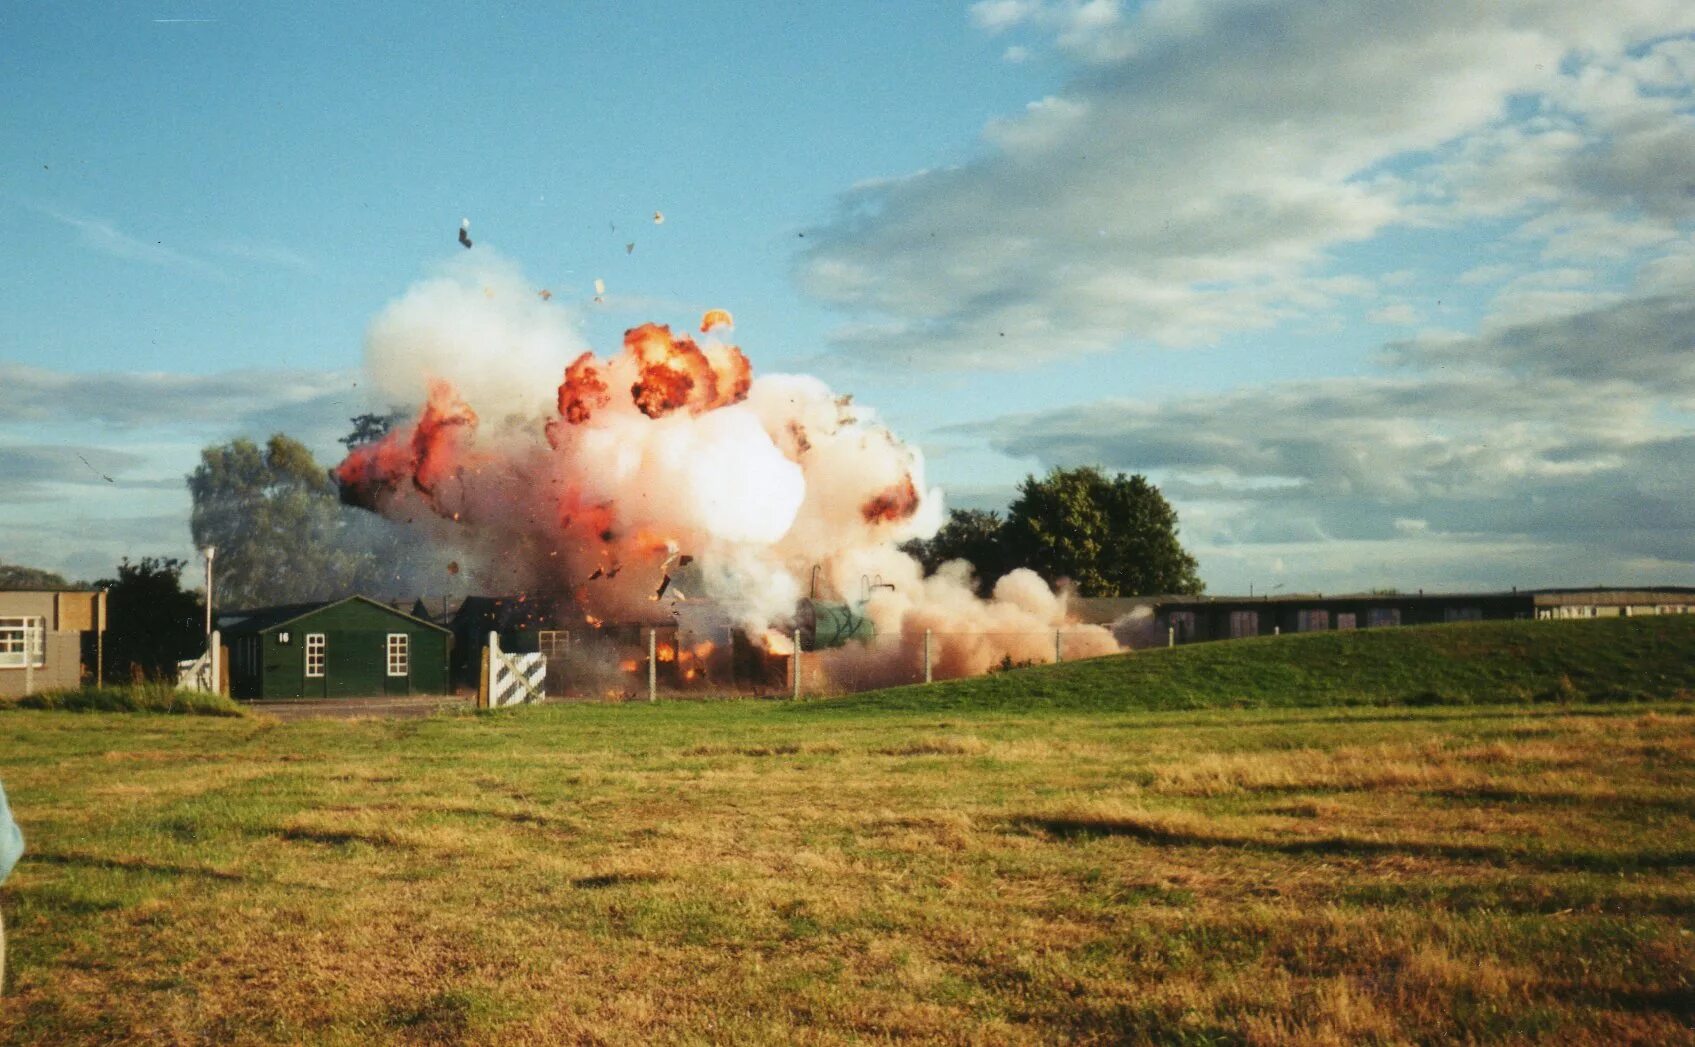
[[211, 551]]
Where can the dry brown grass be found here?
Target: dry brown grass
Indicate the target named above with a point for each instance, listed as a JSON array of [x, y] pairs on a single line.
[[734, 874]]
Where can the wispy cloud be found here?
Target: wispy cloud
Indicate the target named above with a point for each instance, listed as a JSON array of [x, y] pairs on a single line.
[[262, 252], [1193, 181], [228, 399], [104, 235]]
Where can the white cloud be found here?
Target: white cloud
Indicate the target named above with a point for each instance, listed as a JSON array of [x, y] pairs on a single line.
[[1196, 176], [104, 235], [1398, 313], [1558, 438]]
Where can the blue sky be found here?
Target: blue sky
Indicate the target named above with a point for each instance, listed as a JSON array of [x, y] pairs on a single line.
[[1382, 294]]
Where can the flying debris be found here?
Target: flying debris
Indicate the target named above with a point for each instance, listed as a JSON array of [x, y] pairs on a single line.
[[465, 232], [545, 294], [716, 318], [659, 218], [95, 471], [630, 248]]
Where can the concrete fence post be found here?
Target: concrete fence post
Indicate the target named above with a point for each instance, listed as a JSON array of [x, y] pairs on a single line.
[[1058, 646], [927, 656], [794, 666], [652, 664], [1277, 630], [1171, 636]]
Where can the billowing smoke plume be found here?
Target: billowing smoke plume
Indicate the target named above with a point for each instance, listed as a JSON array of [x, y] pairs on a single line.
[[604, 479]]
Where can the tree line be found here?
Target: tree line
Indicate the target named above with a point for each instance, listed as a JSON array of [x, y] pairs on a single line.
[[283, 536]]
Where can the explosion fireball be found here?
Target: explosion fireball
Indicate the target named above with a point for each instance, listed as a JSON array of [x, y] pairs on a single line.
[[551, 470]]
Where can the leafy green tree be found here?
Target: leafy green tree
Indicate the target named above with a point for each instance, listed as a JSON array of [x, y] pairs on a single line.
[[976, 536], [281, 532], [16, 576], [151, 624], [1110, 537]]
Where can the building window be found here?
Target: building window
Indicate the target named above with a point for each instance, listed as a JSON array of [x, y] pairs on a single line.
[[1346, 620], [1378, 617], [1313, 621], [397, 651], [314, 654], [1462, 614], [20, 635], [1244, 623]]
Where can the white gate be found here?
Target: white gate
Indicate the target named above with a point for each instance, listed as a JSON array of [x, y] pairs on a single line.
[[202, 674], [511, 679]]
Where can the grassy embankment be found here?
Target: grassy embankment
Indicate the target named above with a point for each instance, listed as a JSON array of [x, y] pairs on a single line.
[[131, 698], [881, 868]]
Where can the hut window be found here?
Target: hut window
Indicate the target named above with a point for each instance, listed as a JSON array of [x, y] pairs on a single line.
[[397, 650], [1313, 621], [1379, 617], [18, 635], [314, 654]]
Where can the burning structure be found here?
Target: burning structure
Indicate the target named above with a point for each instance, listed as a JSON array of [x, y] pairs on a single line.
[[602, 483]]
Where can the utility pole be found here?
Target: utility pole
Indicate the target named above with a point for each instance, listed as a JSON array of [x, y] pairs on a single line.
[[653, 664], [211, 551]]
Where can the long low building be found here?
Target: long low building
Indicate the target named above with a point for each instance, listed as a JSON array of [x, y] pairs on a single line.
[[1190, 619]]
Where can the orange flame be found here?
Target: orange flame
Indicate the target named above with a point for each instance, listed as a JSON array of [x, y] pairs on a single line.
[[897, 503], [676, 373], [716, 318], [426, 453]]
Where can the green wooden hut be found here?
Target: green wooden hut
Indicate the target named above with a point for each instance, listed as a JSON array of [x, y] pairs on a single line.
[[352, 648]]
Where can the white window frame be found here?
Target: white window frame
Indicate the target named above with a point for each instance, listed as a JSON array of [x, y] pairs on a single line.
[[20, 636], [317, 650], [399, 654]]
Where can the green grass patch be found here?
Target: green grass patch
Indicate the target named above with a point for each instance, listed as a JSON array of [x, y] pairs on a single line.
[[762, 873], [133, 698], [1618, 659]]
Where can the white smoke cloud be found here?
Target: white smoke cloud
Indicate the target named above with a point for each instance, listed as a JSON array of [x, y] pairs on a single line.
[[593, 490]]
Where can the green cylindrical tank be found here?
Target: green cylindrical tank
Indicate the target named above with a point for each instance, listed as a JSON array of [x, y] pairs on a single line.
[[825, 623]]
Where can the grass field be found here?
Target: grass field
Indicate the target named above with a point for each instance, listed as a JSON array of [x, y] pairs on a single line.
[[963, 869]]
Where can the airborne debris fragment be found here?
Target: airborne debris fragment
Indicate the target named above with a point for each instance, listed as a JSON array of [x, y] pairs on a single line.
[[465, 232], [95, 471], [545, 294], [716, 318], [630, 248], [659, 218]]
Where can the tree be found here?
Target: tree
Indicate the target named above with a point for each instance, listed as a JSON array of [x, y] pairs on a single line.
[[281, 532], [1110, 537], [369, 428], [15, 576], [976, 536], [151, 624]]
